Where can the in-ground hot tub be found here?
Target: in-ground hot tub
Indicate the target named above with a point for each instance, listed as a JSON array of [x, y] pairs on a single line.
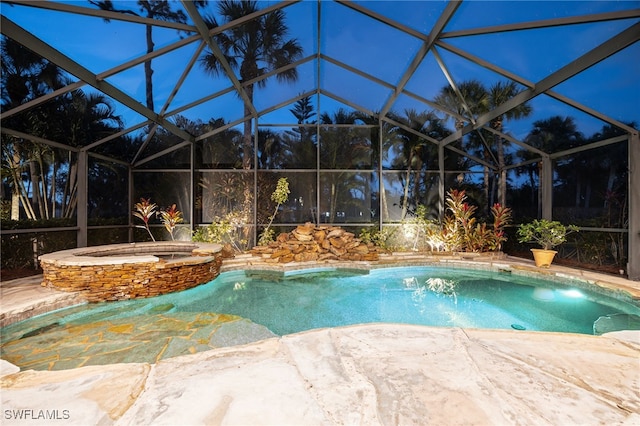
[[129, 271]]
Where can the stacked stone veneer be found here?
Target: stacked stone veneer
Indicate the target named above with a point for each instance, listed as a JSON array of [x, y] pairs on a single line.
[[317, 243], [129, 271]]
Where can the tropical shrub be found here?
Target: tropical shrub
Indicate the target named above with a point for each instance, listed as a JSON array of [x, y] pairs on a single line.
[[170, 218], [224, 230], [379, 238], [546, 233], [417, 233], [280, 196], [145, 210], [462, 232]]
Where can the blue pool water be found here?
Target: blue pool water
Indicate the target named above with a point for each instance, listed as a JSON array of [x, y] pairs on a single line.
[[316, 298]]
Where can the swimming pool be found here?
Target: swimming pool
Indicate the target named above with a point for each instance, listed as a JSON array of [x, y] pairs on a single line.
[[303, 300], [290, 302]]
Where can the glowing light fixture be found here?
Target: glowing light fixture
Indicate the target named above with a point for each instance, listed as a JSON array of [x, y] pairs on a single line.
[[544, 294], [572, 293]]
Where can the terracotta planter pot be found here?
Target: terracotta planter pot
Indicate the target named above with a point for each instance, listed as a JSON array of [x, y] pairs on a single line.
[[543, 258]]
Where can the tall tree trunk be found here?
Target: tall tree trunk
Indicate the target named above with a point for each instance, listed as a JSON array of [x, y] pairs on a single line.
[[578, 190], [502, 175], [44, 185], [405, 196], [70, 191], [15, 193], [24, 200], [532, 182], [66, 190], [610, 180], [247, 160], [35, 188], [73, 202], [485, 169], [54, 178], [247, 142], [15, 204], [384, 214], [334, 199], [20, 192], [587, 196], [494, 188]]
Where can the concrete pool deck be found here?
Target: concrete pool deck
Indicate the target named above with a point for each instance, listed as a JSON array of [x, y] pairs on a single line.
[[364, 374]]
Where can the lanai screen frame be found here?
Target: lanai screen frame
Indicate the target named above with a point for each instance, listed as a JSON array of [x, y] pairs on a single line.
[[437, 37]]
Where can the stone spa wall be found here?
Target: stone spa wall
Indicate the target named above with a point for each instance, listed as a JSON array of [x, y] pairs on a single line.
[[129, 271]]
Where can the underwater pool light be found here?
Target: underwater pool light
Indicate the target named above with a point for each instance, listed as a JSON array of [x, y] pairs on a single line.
[[572, 293]]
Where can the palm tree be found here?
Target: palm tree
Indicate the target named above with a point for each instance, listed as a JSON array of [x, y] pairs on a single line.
[[617, 158], [26, 76], [303, 111], [475, 99], [498, 94], [301, 142], [342, 148], [472, 102], [479, 100], [85, 117], [548, 135], [219, 197], [254, 49], [272, 150], [416, 153], [13, 169]]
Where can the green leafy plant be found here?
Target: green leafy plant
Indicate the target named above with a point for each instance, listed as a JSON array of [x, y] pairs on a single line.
[[5, 210], [460, 231], [170, 218], [416, 233], [546, 233], [280, 196], [421, 229], [223, 230], [377, 237], [459, 222], [145, 210]]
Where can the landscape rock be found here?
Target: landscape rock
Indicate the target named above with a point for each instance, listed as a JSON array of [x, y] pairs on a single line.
[[317, 243]]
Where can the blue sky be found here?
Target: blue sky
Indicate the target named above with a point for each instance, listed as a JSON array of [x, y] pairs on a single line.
[[611, 87]]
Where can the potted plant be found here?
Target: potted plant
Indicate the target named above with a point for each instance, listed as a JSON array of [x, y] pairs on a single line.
[[548, 234]]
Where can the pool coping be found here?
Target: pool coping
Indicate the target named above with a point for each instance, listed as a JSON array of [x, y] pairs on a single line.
[[119, 254]]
